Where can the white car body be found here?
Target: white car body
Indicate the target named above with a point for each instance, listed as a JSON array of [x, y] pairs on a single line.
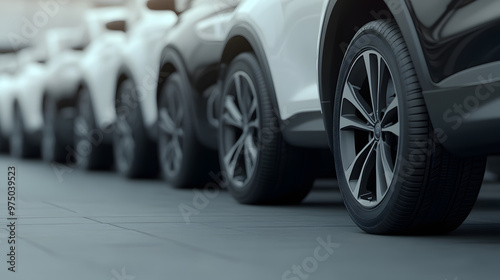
[[28, 91], [288, 31], [102, 60], [29, 95], [63, 68]]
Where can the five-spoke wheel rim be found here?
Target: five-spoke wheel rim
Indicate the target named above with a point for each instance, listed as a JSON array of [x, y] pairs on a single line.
[[124, 136], [369, 128], [240, 124], [171, 118]]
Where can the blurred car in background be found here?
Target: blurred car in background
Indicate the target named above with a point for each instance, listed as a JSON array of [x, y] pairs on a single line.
[[186, 119], [411, 102], [63, 75], [9, 65], [95, 98], [271, 134], [25, 113], [88, 104], [42, 67], [148, 23]]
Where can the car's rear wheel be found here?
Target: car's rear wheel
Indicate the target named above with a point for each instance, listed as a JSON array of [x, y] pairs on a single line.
[[135, 153], [184, 161], [259, 166], [394, 175], [92, 153]]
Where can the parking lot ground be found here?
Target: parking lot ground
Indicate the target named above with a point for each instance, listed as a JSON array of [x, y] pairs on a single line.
[[101, 226]]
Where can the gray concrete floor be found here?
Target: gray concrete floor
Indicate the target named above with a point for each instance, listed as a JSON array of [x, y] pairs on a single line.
[[100, 226]]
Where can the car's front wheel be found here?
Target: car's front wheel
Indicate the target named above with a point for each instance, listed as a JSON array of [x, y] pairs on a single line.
[[260, 167], [184, 161], [394, 175], [135, 153], [92, 153]]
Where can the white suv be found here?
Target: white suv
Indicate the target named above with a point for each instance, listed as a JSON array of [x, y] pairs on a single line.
[[24, 103], [271, 133]]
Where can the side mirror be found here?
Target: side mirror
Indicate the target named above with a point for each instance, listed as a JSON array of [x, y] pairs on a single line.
[[119, 25], [161, 5]]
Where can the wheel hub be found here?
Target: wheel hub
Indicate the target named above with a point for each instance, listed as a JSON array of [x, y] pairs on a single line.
[[377, 131], [246, 128]]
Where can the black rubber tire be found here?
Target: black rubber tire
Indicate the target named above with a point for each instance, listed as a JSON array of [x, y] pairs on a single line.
[[282, 173], [432, 191], [4, 144], [141, 161], [198, 161], [92, 153], [22, 146], [53, 147]]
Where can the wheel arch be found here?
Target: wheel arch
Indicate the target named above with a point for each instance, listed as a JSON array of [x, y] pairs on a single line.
[[123, 74], [172, 62], [338, 29], [243, 38]]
